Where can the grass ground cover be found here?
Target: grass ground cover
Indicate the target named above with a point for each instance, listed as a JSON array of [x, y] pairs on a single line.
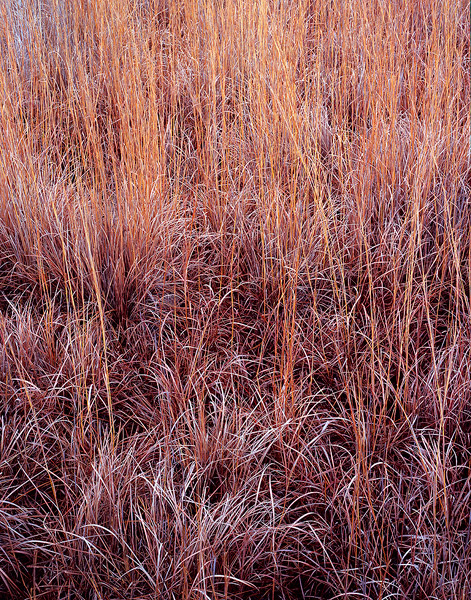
[[235, 320]]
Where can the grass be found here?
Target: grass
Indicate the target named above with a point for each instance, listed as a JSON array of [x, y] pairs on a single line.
[[235, 300]]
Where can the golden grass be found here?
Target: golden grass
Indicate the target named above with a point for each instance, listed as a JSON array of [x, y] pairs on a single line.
[[235, 299]]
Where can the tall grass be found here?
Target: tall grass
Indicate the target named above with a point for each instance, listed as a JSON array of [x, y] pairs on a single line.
[[235, 299]]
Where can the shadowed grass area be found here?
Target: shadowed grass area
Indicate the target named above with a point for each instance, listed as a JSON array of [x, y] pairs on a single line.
[[235, 300]]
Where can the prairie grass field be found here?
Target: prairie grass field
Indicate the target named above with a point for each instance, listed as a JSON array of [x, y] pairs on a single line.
[[235, 300]]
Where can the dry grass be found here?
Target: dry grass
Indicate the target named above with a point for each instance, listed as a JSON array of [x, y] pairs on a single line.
[[235, 299]]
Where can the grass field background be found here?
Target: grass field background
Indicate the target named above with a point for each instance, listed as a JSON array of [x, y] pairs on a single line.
[[235, 320]]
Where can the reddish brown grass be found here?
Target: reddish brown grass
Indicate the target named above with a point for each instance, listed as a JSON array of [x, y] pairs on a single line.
[[235, 299]]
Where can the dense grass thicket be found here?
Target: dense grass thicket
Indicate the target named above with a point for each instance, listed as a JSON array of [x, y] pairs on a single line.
[[235, 300]]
